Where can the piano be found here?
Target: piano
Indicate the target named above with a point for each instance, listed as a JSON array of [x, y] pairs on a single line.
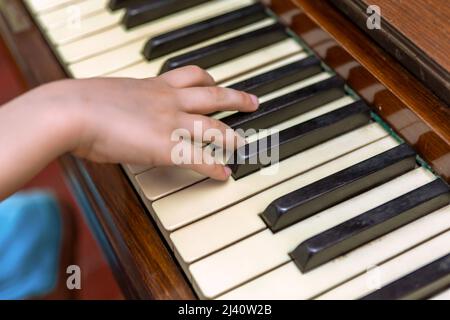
[[358, 206]]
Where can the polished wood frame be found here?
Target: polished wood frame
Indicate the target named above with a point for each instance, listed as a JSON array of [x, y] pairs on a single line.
[[427, 21], [141, 261]]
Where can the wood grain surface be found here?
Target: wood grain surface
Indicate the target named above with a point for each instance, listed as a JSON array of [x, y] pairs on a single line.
[[425, 23], [416, 33], [399, 98]]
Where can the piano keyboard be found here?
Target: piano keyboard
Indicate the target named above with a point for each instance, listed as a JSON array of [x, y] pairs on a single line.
[[350, 213]]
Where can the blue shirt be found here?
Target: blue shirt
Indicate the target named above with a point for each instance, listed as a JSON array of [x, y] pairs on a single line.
[[30, 240]]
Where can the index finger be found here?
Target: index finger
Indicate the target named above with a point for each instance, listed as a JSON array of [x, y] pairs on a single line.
[[189, 76], [207, 100]]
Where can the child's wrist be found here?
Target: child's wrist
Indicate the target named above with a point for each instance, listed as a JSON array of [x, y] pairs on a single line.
[[61, 116]]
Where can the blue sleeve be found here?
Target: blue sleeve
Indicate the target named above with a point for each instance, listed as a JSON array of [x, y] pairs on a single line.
[[30, 240]]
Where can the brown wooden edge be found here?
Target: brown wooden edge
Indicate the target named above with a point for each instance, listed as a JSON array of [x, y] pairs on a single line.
[[429, 72], [411, 109], [142, 264]]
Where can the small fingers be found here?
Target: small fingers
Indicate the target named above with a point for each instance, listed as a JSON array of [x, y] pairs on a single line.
[[189, 76], [205, 129], [214, 171], [201, 161], [211, 99]]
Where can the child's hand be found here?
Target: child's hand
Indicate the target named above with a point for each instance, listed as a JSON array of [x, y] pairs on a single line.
[[131, 121], [112, 120]]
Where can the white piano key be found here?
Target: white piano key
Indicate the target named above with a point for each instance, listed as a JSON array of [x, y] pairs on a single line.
[[154, 186], [209, 196], [265, 250], [86, 27], [303, 117], [298, 85], [254, 60], [266, 68], [222, 114], [442, 296], [287, 282], [232, 224], [391, 270], [64, 16], [270, 67], [306, 116], [229, 69], [280, 92], [129, 54], [41, 6], [107, 62], [159, 182], [118, 36], [137, 169]]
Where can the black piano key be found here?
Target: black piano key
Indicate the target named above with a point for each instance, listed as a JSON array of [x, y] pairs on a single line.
[[121, 4], [181, 38], [228, 49], [371, 225], [147, 11], [420, 284], [288, 106], [281, 77], [248, 158], [338, 187]]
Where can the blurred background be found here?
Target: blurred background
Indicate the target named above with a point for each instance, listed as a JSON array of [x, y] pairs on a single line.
[[80, 247]]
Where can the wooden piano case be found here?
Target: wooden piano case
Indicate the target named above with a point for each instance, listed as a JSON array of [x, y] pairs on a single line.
[[142, 263]]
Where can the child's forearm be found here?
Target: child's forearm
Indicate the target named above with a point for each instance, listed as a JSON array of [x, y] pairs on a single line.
[[114, 121], [34, 129]]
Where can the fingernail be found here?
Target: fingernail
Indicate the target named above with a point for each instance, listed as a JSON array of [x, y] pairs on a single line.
[[255, 100], [227, 171], [240, 140]]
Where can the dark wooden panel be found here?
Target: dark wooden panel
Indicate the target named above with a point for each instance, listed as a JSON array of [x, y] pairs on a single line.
[[425, 23], [416, 33], [142, 264]]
